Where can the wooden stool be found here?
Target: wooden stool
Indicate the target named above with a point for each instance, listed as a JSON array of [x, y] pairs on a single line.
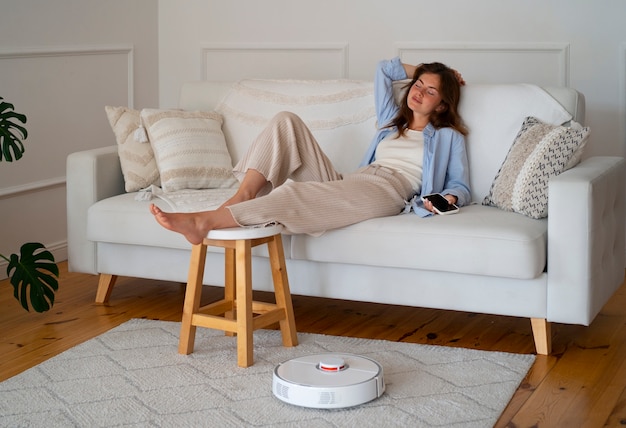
[[237, 312]]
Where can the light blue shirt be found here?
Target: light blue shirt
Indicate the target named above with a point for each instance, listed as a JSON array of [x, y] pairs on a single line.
[[445, 167]]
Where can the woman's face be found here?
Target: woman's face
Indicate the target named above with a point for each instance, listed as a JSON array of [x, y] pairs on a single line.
[[424, 97]]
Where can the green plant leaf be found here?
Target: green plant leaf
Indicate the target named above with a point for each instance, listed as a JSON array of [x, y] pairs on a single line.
[[34, 277], [11, 134]]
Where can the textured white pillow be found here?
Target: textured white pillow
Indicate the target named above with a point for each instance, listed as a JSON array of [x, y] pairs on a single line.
[[189, 148], [540, 151], [136, 158]]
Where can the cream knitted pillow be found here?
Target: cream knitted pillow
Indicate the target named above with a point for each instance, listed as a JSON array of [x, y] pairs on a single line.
[[136, 158], [189, 148], [540, 151]]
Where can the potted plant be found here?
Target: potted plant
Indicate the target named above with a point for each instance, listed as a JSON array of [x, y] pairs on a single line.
[[33, 274]]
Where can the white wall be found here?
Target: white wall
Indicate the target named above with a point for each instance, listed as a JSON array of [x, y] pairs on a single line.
[[550, 42], [61, 62]]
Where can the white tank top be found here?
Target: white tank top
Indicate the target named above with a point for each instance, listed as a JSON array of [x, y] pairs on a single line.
[[404, 154]]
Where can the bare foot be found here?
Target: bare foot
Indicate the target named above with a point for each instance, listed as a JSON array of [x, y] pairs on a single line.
[[191, 225]]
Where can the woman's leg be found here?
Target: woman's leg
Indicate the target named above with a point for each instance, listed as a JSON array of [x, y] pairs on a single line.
[[314, 207], [252, 183], [303, 207], [285, 149]]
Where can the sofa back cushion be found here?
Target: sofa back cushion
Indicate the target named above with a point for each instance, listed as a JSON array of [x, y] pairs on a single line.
[[340, 114], [494, 115], [342, 117]]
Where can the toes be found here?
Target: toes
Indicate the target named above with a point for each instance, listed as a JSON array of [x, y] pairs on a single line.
[[154, 209]]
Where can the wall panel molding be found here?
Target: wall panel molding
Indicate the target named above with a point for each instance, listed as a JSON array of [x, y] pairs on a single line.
[[622, 97], [230, 62], [37, 186], [541, 63], [70, 51], [62, 90]]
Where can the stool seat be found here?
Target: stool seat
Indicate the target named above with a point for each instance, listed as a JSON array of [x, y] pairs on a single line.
[[238, 313], [253, 232]]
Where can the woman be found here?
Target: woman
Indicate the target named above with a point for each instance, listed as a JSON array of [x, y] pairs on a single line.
[[419, 150]]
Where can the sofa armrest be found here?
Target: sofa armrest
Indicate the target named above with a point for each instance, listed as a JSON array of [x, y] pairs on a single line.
[[586, 254], [92, 175]]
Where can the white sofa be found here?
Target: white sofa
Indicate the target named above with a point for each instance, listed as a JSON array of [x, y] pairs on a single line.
[[562, 268]]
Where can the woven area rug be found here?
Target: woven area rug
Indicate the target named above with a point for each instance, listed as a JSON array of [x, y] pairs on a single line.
[[133, 375]]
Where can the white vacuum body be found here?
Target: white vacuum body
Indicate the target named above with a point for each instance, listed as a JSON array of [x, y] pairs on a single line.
[[328, 381]]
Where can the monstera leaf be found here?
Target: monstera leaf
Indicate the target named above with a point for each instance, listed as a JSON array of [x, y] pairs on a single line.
[[34, 276], [11, 134]]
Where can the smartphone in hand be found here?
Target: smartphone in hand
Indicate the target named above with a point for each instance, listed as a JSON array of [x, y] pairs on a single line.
[[441, 204]]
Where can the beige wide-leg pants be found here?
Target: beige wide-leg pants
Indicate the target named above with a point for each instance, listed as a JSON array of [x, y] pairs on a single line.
[[318, 198]]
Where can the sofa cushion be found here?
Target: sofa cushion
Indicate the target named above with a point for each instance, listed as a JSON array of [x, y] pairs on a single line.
[[123, 220], [540, 151], [190, 149], [479, 240], [340, 113], [493, 115], [136, 158]]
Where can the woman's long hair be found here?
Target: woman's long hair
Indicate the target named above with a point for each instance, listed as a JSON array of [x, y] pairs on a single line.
[[450, 91]]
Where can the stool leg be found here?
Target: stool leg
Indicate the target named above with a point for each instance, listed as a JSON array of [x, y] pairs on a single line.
[[229, 283], [243, 278], [192, 299], [282, 292]]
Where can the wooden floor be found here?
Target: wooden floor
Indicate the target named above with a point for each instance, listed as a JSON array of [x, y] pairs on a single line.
[[583, 384]]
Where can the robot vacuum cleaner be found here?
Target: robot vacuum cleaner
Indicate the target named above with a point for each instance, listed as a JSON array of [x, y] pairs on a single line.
[[328, 381]]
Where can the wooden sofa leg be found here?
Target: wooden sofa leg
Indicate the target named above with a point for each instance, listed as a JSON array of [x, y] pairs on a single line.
[[105, 287], [543, 335]]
